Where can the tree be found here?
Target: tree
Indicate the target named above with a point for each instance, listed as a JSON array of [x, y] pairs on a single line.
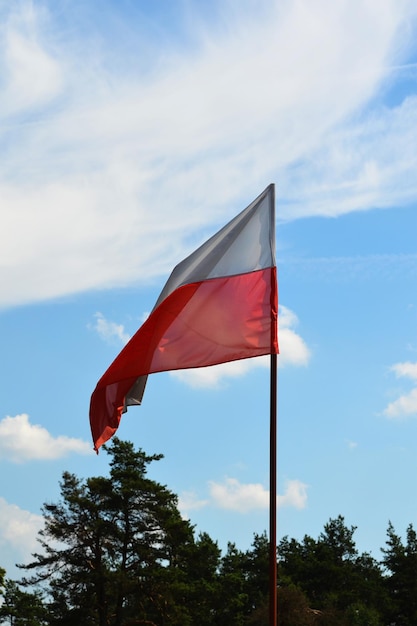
[[400, 562], [233, 599], [257, 586], [202, 580], [331, 573], [114, 549], [21, 608], [294, 609]]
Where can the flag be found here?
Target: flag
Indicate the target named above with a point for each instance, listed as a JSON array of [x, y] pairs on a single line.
[[220, 304]]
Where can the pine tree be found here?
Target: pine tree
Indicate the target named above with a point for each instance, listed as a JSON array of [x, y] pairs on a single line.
[[114, 547], [401, 563]]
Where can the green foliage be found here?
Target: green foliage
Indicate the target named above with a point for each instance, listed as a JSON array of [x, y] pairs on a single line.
[[400, 561], [110, 543], [331, 573], [20, 608], [359, 614], [293, 608]]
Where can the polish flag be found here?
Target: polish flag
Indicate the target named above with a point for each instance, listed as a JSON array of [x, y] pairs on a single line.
[[220, 304]]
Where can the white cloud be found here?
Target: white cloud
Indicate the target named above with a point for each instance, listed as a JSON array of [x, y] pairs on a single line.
[[113, 174], [406, 404], [293, 349], [407, 369], [109, 331], [19, 528], [295, 495], [22, 441], [235, 496], [363, 164], [32, 77], [189, 501]]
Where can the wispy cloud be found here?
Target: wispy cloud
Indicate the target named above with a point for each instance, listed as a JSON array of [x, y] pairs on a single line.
[[22, 441], [352, 445], [33, 76], [110, 331], [406, 404], [365, 163], [359, 267], [99, 160]]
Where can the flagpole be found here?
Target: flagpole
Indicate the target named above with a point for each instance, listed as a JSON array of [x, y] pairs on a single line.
[[273, 495]]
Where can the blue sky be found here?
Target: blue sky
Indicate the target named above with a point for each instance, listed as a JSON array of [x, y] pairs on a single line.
[[131, 132]]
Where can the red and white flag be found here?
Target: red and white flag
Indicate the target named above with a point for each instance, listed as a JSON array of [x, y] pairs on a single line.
[[220, 304]]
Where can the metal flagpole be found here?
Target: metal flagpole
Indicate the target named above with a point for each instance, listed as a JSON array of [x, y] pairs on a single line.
[[273, 495]]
